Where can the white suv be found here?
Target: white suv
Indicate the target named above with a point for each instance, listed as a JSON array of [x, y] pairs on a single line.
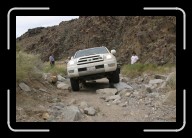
[[92, 63]]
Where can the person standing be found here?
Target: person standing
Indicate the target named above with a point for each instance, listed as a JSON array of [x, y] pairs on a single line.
[[52, 60], [134, 58]]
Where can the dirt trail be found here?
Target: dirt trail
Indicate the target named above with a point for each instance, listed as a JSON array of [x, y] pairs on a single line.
[[107, 111]]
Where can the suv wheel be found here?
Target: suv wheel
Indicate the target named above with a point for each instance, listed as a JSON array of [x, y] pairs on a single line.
[[74, 84], [115, 77]]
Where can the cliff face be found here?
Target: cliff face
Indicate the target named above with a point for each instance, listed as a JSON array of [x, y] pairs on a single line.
[[153, 38]]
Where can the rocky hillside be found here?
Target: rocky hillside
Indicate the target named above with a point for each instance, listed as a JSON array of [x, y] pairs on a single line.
[[153, 38]]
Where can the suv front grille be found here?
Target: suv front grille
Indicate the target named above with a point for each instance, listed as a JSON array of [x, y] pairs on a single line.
[[96, 67], [89, 59]]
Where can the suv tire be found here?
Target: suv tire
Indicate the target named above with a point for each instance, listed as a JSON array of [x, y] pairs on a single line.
[[115, 76], [74, 84]]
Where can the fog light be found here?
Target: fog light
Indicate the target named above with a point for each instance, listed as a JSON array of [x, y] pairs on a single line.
[[111, 65], [71, 71]]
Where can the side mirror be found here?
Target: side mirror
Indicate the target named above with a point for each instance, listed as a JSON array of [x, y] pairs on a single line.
[[71, 57], [113, 52]]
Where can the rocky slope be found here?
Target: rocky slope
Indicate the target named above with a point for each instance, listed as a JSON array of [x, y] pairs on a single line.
[[146, 98], [153, 38]]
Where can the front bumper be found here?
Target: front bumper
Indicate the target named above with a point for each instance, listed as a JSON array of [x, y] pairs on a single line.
[[97, 67]]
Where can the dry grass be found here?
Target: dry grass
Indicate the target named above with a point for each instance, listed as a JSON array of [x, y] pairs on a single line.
[[138, 69], [59, 68], [27, 66]]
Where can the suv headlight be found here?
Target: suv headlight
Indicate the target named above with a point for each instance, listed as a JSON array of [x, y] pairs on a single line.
[[109, 57], [71, 62]]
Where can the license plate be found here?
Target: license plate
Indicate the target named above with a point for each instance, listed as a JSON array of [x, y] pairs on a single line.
[[91, 69]]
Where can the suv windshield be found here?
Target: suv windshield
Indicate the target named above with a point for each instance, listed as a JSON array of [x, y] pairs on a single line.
[[91, 51]]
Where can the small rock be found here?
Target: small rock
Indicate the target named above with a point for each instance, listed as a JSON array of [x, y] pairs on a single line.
[[156, 95], [134, 86], [24, 87], [132, 114], [124, 91], [43, 90], [114, 97], [155, 81], [147, 102], [60, 104], [121, 85], [57, 107], [171, 75], [148, 89], [154, 86], [71, 113], [123, 104], [140, 79], [46, 76], [170, 98], [52, 79], [45, 116], [60, 78], [102, 97], [108, 91], [157, 76], [90, 111], [34, 90], [97, 109], [116, 101], [127, 94], [163, 85], [63, 86], [73, 101], [81, 110], [125, 79], [56, 100], [83, 105], [136, 93]]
